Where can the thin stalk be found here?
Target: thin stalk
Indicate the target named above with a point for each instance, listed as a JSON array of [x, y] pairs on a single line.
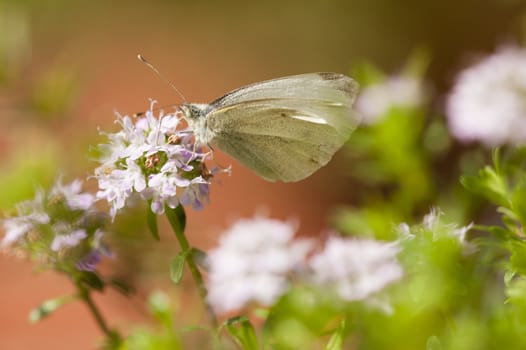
[[178, 228], [84, 294]]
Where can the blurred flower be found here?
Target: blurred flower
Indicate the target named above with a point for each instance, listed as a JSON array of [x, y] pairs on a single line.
[[488, 101], [356, 268], [375, 101], [59, 228], [252, 262], [152, 160], [432, 222]]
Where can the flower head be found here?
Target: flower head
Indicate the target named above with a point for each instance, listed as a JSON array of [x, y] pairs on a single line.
[[59, 228], [252, 263], [437, 229], [154, 159], [356, 268], [488, 101]]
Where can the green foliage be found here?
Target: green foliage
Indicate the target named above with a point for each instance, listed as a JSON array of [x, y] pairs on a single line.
[[336, 341], [164, 337], [177, 218], [151, 220], [177, 266], [242, 332], [48, 307]]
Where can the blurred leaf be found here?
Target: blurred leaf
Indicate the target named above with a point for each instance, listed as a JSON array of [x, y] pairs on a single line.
[[243, 332], [92, 280], [518, 257], [336, 341], [374, 221], [113, 341], [518, 201], [499, 232], [151, 220], [417, 64], [516, 292], [436, 138], [489, 184], [160, 307], [177, 266], [48, 307], [367, 74]]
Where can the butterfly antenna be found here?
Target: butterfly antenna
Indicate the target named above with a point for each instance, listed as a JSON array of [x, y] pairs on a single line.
[[143, 60]]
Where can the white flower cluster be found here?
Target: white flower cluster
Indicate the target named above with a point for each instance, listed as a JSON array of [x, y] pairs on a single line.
[[356, 268], [60, 227], [252, 263], [151, 158], [488, 101], [257, 258], [433, 225], [376, 100]]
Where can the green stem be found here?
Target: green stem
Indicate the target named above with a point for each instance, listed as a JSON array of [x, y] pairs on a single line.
[[84, 294], [176, 217]]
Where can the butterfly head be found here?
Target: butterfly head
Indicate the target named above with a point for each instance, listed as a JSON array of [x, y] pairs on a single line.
[[195, 115]]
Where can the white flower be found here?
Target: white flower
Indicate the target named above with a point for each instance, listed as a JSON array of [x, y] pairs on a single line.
[[152, 159], [356, 268], [433, 223], [72, 194], [59, 227], [252, 262], [488, 101], [17, 227], [375, 101], [68, 240], [31, 213]]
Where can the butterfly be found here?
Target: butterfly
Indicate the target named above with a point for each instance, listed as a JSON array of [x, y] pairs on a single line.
[[283, 129]]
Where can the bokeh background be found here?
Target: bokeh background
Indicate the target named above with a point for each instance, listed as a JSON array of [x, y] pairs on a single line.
[[67, 66]]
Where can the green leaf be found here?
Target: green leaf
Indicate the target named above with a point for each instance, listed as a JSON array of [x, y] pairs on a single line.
[[113, 341], [177, 218], [243, 332], [48, 307], [518, 201], [518, 257], [177, 266], [489, 184], [417, 64], [151, 220], [367, 74], [336, 341], [92, 280], [499, 232]]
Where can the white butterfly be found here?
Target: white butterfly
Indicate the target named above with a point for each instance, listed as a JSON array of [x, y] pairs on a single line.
[[283, 129]]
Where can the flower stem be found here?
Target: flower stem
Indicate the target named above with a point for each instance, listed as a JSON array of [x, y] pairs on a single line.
[[84, 294], [177, 219]]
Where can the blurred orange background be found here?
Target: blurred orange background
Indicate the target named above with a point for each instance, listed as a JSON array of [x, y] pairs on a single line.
[[68, 65]]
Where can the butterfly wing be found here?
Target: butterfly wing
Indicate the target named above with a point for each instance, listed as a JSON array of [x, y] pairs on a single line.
[[286, 130], [326, 86]]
